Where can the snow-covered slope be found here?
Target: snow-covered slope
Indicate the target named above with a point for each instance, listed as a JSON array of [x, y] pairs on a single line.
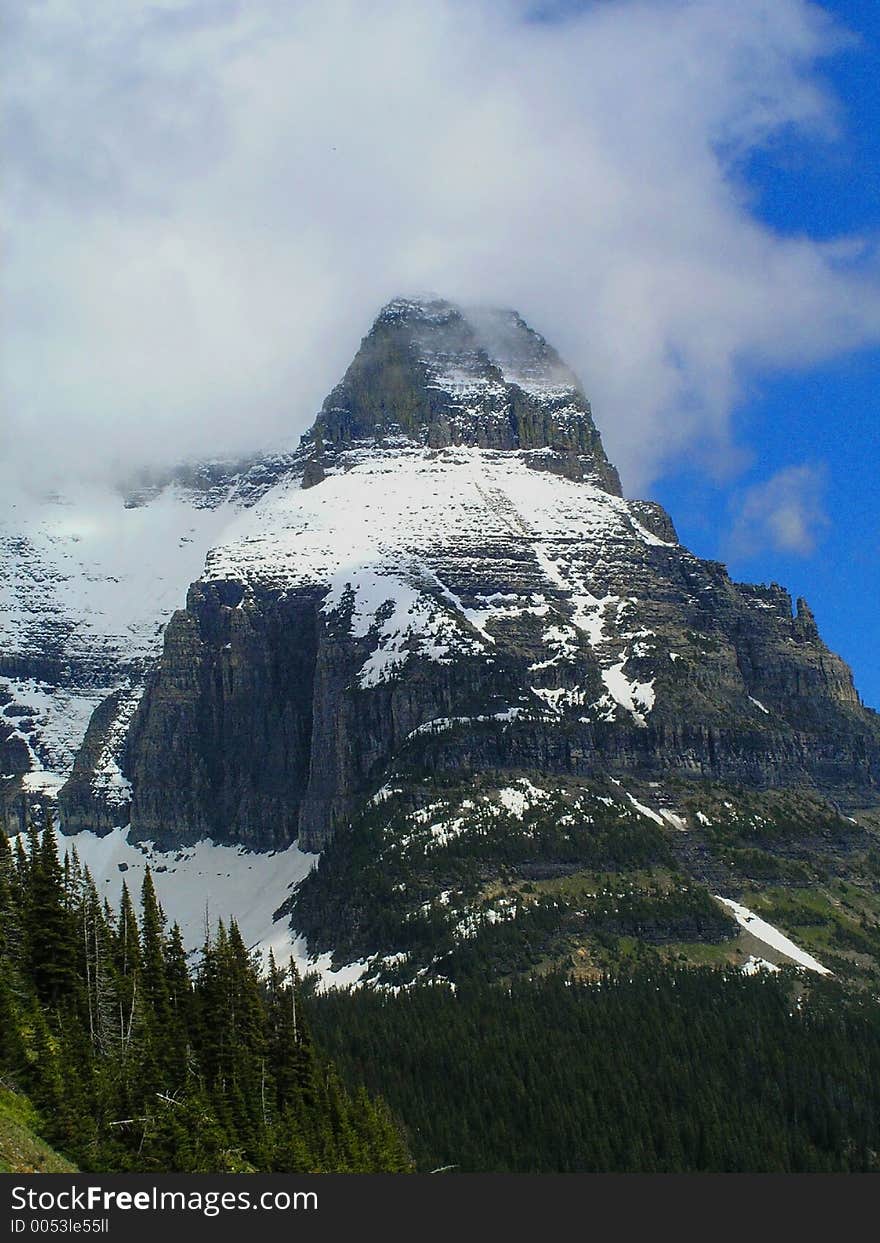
[[85, 590], [87, 582], [436, 552]]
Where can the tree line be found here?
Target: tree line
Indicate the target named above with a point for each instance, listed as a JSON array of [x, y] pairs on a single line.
[[137, 1060]]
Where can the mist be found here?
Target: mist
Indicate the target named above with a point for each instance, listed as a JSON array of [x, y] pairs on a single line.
[[206, 204]]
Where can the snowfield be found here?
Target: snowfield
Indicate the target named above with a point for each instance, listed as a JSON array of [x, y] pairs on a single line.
[[206, 882], [771, 936]]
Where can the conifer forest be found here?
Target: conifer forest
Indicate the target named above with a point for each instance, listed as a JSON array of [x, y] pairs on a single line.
[[137, 1056]]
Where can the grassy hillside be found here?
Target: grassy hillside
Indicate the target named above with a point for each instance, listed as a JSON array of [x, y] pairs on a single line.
[[21, 1149]]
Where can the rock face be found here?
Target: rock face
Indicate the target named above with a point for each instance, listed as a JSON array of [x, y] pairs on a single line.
[[429, 373], [97, 796], [15, 763], [445, 579]]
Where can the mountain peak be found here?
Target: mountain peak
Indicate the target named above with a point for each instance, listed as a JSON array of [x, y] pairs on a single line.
[[436, 374]]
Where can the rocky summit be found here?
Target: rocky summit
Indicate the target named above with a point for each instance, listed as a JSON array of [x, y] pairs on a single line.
[[521, 723]]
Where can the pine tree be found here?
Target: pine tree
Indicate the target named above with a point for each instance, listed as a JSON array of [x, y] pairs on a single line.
[[12, 1053], [153, 941], [11, 946], [49, 927], [180, 1021], [128, 971], [97, 950]]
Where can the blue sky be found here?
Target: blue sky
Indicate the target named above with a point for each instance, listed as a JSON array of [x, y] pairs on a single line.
[[205, 204], [829, 416]]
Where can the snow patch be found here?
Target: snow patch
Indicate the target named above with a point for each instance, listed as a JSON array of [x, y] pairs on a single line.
[[636, 697], [347, 976], [88, 576], [753, 966], [646, 811], [519, 798], [40, 782], [772, 936], [382, 796], [192, 881], [59, 719], [108, 780]]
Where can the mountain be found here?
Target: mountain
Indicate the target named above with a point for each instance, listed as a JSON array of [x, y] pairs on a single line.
[[521, 723]]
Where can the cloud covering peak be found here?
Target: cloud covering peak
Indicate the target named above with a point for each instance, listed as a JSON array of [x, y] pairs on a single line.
[[207, 203]]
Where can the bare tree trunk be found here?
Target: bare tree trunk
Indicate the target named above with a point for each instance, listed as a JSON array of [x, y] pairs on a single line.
[[131, 1013], [88, 974], [263, 1088], [293, 995]]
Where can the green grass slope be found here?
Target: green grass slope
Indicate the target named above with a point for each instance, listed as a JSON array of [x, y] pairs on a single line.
[[21, 1149]]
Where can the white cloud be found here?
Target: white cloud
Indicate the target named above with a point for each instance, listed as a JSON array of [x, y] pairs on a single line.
[[206, 203], [785, 513]]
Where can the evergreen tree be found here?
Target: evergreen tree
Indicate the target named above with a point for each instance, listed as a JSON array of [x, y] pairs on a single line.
[[153, 976], [127, 946], [12, 990], [180, 1011], [49, 926]]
